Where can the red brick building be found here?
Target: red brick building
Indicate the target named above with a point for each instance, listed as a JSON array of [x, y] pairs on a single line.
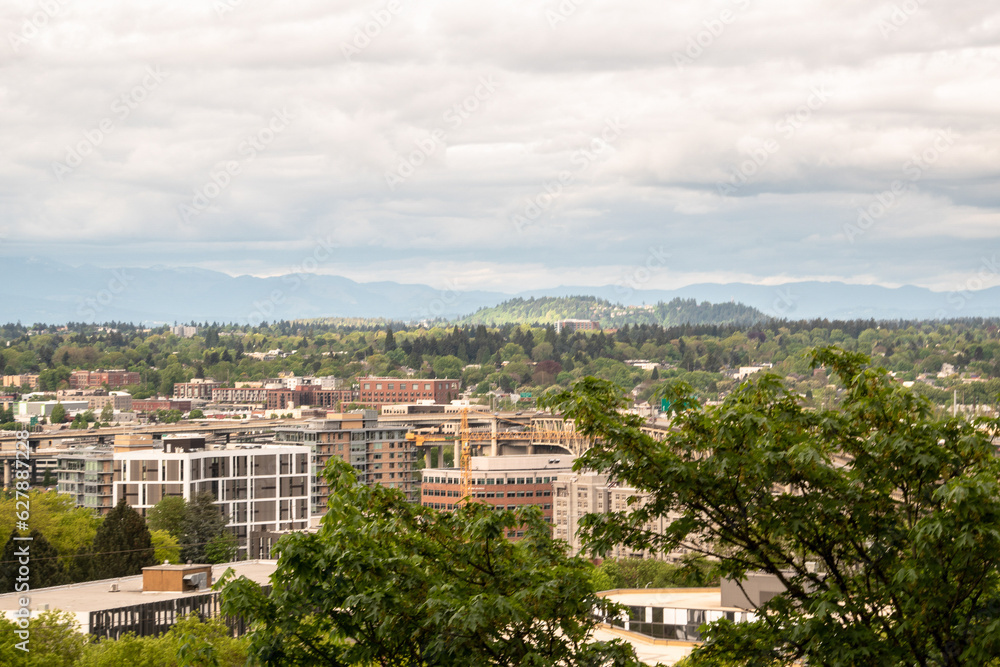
[[374, 392], [507, 482], [114, 379], [154, 404], [281, 399]]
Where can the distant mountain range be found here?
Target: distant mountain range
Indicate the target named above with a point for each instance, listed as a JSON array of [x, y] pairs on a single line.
[[54, 293]]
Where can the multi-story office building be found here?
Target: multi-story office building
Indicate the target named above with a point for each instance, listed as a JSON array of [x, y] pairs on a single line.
[[197, 388], [577, 325], [281, 399], [507, 482], [263, 488], [577, 494], [112, 379], [239, 395], [121, 401], [379, 453], [154, 404], [374, 392], [31, 380]]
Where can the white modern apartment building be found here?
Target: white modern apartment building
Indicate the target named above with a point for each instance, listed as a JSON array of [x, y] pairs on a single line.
[[263, 488]]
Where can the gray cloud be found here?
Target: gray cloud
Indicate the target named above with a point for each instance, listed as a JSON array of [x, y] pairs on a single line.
[[753, 134]]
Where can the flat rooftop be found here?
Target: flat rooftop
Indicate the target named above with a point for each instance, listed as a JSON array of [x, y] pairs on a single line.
[[96, 595], [709, 599]]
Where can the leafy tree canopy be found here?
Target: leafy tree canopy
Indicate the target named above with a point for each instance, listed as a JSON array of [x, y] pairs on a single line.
[[411, 585], [168, 515], [881, 520]]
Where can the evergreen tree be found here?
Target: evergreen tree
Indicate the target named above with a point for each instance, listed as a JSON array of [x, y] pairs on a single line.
[[81, 566], [45, 567], [203, 522], [123, 545], [390, 341]]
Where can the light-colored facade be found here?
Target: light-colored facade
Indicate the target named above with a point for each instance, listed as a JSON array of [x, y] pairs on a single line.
[[578, 494], [196, 388], [29, 379], [28, 409], [263, 488]]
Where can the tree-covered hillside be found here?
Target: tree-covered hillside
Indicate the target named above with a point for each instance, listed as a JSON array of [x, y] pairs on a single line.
[[546, 310]]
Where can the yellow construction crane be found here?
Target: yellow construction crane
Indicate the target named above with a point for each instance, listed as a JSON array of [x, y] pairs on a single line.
[[467, 436]]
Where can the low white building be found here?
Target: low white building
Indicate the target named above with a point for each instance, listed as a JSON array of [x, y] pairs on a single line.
[[28, 409]]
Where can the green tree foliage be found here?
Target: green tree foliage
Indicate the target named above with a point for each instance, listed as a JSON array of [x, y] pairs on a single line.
[[168, 515], [222, 548], [881, 520], [107, 412], [122, 545], [549, 309], [44, 566], [166, 547], [448, 367], [196, 414], [694, 572], [191, 642], [55, 641], [410, 585], [203, 522], [168, 416], [56, 516], [58, 415], [389, 344]]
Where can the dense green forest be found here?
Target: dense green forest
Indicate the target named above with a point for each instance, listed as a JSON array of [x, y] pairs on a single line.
[[547, 310], [522, 358]]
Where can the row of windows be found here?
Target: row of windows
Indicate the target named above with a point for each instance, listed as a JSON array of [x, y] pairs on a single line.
[[402, 385], [489, 481]]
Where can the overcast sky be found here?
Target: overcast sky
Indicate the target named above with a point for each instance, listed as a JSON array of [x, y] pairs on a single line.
[[506, 145]]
